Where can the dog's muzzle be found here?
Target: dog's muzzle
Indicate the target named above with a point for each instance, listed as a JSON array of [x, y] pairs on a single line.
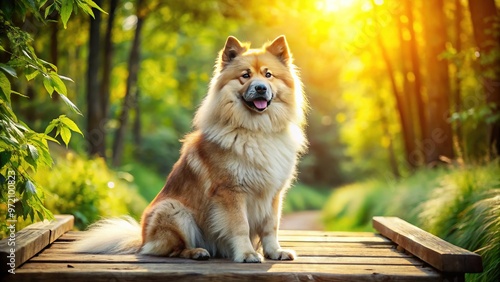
[[258, 96]]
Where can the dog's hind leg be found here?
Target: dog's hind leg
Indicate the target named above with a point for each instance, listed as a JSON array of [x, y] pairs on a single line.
[[170, 230]]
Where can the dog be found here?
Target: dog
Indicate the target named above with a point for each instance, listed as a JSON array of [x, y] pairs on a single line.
[[223, 196]]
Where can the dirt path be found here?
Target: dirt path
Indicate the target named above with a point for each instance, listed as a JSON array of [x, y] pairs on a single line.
[[305, 220]]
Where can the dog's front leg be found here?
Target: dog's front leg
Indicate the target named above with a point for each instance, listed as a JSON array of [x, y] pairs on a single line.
[[230, 222], [269, 235]]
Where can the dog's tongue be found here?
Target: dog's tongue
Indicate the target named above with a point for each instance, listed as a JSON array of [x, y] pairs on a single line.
[[260, 104]]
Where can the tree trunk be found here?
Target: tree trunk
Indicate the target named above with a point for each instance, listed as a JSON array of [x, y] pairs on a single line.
[[131, 87], [440, 142], [95, 132], [136, 130], [484, 15], [405, 100], [457, 100], [107, 61], [417, 155]]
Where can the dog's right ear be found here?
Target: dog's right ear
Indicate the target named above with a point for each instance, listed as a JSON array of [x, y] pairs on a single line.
[[232, 49]]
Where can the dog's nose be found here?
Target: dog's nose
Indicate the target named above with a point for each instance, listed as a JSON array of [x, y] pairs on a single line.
[[261, 88]]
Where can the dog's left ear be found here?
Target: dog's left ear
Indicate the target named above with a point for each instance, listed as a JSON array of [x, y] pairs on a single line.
[[279, 48]]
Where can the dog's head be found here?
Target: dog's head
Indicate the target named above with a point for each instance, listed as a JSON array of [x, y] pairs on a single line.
[[256, 89]]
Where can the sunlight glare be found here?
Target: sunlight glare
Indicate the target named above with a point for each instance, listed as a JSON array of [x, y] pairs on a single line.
[[330, 6]]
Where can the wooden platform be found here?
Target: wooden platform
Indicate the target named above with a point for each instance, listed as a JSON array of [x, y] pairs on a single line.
[[323, 256]]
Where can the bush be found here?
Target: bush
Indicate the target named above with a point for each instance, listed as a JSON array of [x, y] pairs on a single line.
[[89, 190]]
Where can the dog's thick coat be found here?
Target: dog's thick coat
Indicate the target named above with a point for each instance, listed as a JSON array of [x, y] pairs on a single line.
[[223, 196]]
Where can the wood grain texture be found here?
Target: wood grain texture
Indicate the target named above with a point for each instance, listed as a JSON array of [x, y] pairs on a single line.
[[32, 239], [208, 271], [431, 249], [323, 256]]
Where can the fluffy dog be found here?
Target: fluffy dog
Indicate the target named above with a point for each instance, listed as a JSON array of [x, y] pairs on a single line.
[[223, 196]]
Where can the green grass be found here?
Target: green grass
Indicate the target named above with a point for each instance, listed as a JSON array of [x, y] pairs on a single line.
[[460, 205]]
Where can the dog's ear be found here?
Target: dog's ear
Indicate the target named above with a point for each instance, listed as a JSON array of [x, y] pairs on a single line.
[[232, 49], [279, 48]]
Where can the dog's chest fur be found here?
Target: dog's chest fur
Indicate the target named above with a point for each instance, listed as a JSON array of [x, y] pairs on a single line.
[[261, 163]]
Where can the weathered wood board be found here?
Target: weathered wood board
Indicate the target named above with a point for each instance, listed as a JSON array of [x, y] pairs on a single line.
[[31, 240], [323, 256], [431, 249]]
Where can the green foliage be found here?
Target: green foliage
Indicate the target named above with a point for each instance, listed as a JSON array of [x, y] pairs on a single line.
[[89, 190], [24, 151], [302, 197], [147, 179], [461, 205]]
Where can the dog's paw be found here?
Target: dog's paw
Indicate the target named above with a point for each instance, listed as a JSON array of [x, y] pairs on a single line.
[[250, 257], [196, 254], [281, 254], [200, 254]]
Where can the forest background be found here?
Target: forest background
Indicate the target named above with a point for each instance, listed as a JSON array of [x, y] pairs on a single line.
[[404, 97]]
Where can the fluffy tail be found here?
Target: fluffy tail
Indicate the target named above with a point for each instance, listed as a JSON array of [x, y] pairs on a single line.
[[110, 236]]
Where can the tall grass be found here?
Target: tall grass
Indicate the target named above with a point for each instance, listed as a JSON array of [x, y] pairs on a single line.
[[460, 205]]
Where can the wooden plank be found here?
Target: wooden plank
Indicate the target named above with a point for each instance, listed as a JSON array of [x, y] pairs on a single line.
[[431, 249], [206, 271], [368, 240], [25, 244], [303, 250], [29, 241], [57, 227], [288, 235], [316, 233], [95, 258]]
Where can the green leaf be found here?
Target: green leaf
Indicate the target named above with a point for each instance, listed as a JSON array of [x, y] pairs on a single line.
[[86, 8], [31, 73], [4, 158], [33, 152], [66, 9], [47, 82], [94, 5], [50, 127], [65, 78], [58, 84], [5, 87], [8, 69], [70, 124], [66, 135], [30, 188], [70, 104], [51, 65]]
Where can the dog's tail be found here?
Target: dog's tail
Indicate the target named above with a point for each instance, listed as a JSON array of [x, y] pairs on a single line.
[[110, 236]]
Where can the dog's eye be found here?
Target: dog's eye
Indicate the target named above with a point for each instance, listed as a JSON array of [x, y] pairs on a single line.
[[246, 75], [269, 75]]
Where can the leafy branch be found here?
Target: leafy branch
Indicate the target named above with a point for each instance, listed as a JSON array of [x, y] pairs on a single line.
[[22, 150]]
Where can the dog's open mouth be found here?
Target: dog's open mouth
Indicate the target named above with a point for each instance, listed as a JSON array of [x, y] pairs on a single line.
[[258, 104]]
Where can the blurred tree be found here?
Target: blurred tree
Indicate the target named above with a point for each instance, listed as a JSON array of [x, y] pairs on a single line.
[[439, 142], [486, 25], [406, 129], [405, 99], [417, 81], [131, 88], [94, 100]]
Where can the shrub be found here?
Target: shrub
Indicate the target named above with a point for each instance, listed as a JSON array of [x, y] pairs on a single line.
[[89, 190]]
